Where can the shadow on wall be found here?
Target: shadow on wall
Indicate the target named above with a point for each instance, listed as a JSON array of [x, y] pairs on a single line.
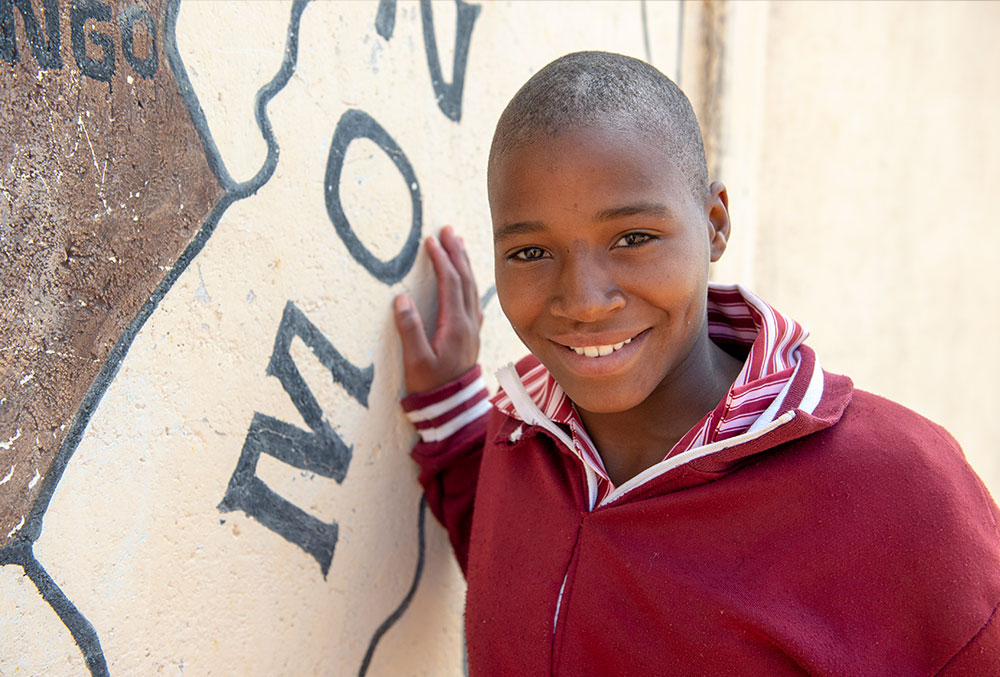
[[97, 228]]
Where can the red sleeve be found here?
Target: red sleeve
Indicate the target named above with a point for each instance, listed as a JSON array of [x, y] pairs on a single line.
[[981, 656], [451, 421]]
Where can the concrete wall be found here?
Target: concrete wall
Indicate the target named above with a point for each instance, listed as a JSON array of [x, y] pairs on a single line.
[[861, 146], [208, 206]]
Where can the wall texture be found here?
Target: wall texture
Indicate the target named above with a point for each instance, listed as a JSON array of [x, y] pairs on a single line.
[[207, 206], [861, 145]]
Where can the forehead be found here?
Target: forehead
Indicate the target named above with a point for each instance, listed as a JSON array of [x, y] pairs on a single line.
[[584, 169]]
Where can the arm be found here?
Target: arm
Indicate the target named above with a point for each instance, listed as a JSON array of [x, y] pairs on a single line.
[[448, 400]]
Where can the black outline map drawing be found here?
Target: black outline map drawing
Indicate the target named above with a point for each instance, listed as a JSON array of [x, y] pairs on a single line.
[[19, 551]]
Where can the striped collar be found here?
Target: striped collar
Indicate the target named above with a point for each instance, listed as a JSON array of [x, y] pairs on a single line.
[[736, 317]]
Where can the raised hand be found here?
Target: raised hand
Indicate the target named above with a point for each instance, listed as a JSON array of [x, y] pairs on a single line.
[[454, 347]]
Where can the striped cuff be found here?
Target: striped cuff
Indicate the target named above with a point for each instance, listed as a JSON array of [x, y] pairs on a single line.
[[439, 413]]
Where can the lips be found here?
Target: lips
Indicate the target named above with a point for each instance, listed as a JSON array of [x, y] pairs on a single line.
[[597, 355]]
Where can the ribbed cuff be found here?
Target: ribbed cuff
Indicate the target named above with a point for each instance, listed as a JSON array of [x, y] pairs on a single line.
[[437, 414]]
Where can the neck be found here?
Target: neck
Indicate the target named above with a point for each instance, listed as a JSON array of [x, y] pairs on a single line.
[[631, 441]]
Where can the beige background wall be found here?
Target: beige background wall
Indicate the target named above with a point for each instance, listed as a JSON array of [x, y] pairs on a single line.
[[861, 146], [856, 140]]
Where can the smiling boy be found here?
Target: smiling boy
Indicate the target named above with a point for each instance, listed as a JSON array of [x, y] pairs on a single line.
[[670, 483]]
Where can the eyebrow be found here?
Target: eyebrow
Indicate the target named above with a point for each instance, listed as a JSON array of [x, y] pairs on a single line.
[[529, 227], [519, 228], [644, 208]]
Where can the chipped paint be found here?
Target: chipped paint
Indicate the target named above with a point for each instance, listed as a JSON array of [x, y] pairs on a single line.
[[10, 473], [6, 445], [34, 480], [16, 528]]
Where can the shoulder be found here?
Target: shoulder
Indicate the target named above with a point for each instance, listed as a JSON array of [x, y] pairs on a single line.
[[904, 463], [889, 431]]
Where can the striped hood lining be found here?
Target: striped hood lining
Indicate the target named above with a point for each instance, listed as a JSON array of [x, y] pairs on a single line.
[[756, 403]]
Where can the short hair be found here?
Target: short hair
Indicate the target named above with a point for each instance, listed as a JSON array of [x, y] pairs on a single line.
[[586, 88]]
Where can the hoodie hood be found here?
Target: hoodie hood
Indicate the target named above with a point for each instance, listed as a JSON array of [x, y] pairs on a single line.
[[780, 394]]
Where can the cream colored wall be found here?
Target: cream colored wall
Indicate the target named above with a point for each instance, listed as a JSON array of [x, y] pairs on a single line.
[[134, 535], [861, 146]]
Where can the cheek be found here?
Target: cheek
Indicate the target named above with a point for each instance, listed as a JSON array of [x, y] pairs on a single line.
[[514, 297], [678, 289]]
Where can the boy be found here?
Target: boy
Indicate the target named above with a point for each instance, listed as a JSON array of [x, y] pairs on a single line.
[[669, 483]]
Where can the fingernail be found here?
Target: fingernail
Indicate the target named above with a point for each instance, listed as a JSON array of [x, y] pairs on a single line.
[[403, 303]]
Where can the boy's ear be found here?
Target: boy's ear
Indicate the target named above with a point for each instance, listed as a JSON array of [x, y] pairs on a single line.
[[717, 207]]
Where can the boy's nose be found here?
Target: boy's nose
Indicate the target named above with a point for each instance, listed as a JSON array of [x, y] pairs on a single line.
[[586, 291]]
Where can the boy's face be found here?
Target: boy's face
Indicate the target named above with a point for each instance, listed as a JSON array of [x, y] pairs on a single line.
[[601, 249]]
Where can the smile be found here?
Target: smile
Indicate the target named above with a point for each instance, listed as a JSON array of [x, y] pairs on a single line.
[[599, 351]]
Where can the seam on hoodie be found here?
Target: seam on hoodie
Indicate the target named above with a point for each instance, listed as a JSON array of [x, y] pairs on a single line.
[[965, 646], [983, 491]]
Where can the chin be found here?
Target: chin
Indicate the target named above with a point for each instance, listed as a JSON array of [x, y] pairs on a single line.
[[601, 399]]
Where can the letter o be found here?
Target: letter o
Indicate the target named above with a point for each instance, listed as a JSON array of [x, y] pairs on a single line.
[[356, 124], [144, 67]]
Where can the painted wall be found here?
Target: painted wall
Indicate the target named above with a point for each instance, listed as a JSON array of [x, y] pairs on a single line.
[[206, 208]]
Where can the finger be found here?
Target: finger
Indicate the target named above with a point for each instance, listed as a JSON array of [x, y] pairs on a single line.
[[450, 302], [471, 290], [409, 324], [455, 247]]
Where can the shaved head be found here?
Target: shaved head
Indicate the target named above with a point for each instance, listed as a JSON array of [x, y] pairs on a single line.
[[608, 90]]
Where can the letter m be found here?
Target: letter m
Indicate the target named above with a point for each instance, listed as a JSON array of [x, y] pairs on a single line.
[[319, 449]]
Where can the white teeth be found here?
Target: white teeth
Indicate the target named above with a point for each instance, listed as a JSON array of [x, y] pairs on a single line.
[[599, 351]]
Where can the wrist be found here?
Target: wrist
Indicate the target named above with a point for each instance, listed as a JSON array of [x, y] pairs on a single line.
[[438, 413]]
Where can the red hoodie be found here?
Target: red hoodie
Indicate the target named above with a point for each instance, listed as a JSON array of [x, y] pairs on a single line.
[[847, 536]]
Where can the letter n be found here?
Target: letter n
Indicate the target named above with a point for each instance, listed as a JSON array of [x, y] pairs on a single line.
[[45, 45]]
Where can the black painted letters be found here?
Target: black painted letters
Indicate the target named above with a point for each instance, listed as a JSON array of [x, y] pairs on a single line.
[[46, 45], [356, 124], [320, 451], [99, 69], [449, 96], [385, 20], [144, 67], [46, 50]]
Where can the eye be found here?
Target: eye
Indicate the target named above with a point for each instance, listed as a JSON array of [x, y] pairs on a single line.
[[529, 254], [633, 239]]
